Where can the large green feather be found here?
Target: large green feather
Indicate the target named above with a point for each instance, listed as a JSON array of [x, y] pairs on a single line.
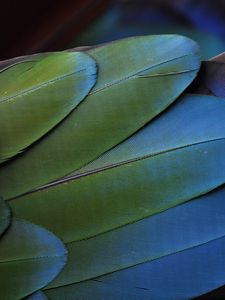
[[137, 79], [4, 216], [174, 230], [30, 257], [37, 94], [178, 156]]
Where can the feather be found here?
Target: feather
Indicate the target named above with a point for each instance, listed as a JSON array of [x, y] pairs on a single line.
[[182, 275], [211, 79], [37, 296], [212, 295], [176, 157], [5, 216], [37, 94], [138, 78], [174, 230], [215, 78], [30, 257], [219, 58]]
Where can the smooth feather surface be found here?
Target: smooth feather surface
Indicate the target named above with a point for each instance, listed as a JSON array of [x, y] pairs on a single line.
[[4, 216], [30, 257], [185, 226], [137, 79], [113, 188], [212, 295], [148, 173], [37, 296], [182, 275], [35, 95]]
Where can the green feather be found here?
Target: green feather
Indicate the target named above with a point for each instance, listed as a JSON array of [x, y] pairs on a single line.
[[138, 78], [175, 158], [35, 95], [5, 216], [30, 257]]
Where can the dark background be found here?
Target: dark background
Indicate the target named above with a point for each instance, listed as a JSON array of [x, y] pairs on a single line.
[[45, 25]]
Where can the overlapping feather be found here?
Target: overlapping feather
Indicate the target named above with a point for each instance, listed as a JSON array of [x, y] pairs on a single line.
[[30, 257], [4, 216], [36, 94], [182, 275], [117, 208], [174, 230], [137, 79], [177, 150]]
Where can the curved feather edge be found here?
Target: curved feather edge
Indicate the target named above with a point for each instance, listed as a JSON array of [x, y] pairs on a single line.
[[174, 230], [37, 94], [192, 154], [217, 293], [210, 80], [5, 216], [211, 77], [120, 96], [30, 257], [183, 275], [37, 296]]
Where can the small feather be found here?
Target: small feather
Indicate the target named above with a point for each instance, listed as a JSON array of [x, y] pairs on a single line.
[[30, 257], [37, 94]]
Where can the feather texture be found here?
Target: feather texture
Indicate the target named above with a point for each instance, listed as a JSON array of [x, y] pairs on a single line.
[[30, 257], [174, 230], [37, 296], [130, 180], [37, 94], [182, 275], [138, 78], [178, 150]]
